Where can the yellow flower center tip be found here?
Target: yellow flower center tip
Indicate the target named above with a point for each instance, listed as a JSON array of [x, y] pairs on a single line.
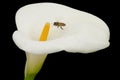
[[45, 32]]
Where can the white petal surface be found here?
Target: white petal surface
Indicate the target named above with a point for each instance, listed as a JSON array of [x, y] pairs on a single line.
[[83, 32]]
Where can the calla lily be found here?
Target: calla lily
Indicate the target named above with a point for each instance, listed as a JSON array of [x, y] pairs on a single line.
[[82, 33]]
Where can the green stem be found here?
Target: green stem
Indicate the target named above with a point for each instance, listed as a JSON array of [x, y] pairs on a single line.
[[30, 77], [33, 65]]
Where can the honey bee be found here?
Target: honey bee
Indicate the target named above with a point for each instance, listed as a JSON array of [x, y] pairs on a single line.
[[59, 24]]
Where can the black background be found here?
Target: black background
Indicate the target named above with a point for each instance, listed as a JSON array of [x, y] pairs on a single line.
[[61, 65]]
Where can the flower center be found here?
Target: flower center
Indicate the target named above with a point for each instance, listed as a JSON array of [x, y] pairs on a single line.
[[45, 32]]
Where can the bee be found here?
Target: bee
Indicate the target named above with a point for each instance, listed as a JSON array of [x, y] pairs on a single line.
[[59, 24]]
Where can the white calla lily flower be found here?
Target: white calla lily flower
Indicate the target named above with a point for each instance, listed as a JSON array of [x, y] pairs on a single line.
[[82, 32]]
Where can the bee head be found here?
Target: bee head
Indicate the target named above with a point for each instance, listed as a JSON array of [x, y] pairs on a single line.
[[55, 23]]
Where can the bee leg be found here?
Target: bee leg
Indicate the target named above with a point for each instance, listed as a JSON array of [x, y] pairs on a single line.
[[61, 27]]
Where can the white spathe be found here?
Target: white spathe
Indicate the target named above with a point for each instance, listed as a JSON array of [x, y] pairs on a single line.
[[84, 32]]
